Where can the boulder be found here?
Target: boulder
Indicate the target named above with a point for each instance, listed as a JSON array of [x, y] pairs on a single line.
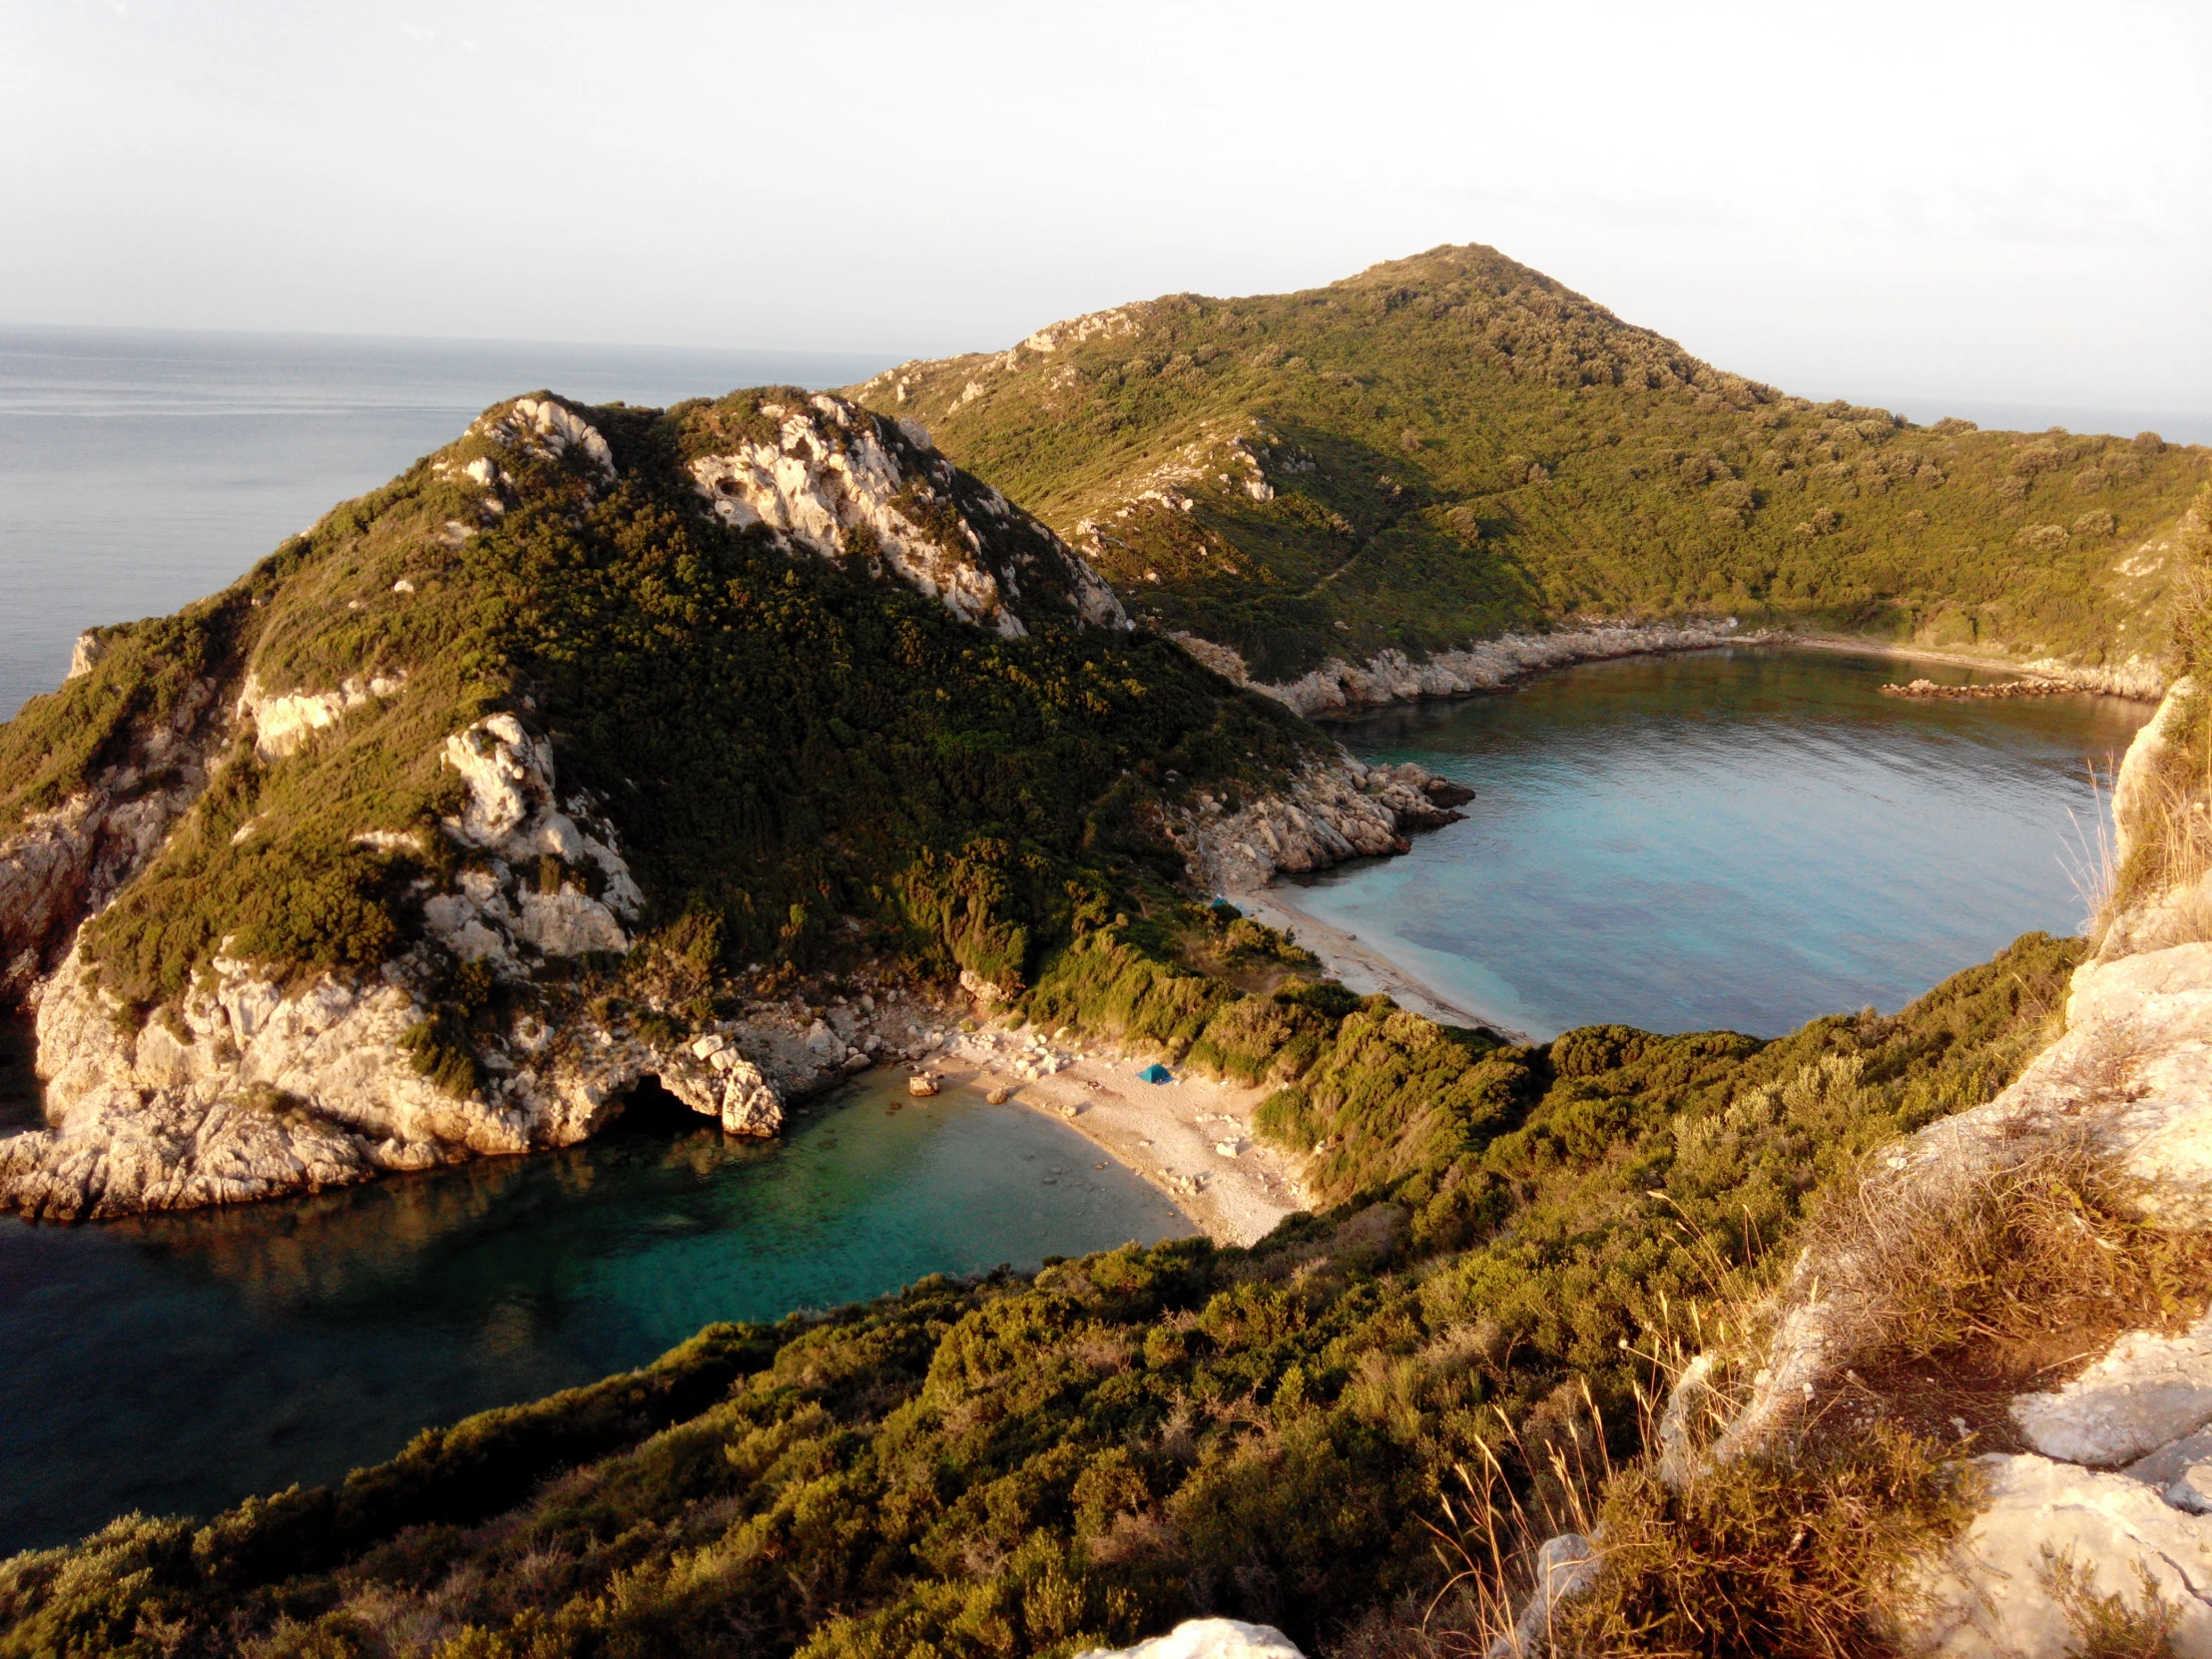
[[1208, 1639], [2148, 1391], [1994, 1593]]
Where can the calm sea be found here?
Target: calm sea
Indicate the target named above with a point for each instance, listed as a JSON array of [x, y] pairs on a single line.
[[139, 470], [1734, 839]]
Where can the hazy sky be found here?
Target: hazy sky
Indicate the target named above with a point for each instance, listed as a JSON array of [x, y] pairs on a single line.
[[2003, 201]]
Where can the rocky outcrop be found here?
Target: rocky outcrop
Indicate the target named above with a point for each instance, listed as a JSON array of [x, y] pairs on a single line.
[[1332, 810], [1339, 688], [252, 1087], [829, 478], [282, 724], [1208, 1639], [2140, 678], [59, 866]]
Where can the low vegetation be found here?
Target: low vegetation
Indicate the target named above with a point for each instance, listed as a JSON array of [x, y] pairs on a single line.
[[789, 750], [1451, 445], [1035, 1465]]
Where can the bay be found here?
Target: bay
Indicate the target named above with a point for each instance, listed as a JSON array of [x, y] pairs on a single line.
[[1733, 840], [176, 1364]]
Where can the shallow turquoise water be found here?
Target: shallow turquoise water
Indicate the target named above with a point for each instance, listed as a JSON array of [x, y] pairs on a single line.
[[1740, 840], [177, 1364]]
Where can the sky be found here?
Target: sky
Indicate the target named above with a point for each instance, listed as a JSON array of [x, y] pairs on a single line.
[[1997, 205]]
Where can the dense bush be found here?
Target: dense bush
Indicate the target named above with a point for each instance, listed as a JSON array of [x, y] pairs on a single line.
[[1006, 1467], [785, 746], [1456, 444]]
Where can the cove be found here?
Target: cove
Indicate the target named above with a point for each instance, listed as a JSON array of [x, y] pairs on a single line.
[[1736, 839], [176, 1364]]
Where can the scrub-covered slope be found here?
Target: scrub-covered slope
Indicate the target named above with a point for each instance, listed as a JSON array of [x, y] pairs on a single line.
[[1451, 446], [510, 783]]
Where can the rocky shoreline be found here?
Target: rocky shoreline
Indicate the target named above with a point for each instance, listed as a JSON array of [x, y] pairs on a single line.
[[255, 1088], [1342, 690], [1930, 690]]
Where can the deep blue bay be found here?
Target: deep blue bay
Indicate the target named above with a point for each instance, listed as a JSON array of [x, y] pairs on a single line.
[[1736, 840]]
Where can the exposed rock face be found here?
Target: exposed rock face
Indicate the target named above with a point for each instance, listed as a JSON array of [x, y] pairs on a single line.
[[1340, 688], [504, 908], [1993, 1597], [839, 482], [282, 724], [2147, 1393], [1208, 1639], [547, 428], [60, 866], [1334, 810], [255, 1088]]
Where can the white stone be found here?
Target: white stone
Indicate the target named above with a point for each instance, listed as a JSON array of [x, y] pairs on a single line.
[[2145, 1392], [828, 477], [1990, 1596], [1208, 1639]]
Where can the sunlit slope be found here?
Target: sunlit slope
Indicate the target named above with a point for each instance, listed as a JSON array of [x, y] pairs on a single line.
[[1452, 445]]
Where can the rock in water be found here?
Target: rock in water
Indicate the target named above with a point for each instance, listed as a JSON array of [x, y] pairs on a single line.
[[921, 1085]]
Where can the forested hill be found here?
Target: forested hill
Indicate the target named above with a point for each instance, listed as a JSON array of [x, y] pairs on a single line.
[[1449, 446]]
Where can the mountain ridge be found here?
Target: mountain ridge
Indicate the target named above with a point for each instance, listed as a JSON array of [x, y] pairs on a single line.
[[1451, 447]]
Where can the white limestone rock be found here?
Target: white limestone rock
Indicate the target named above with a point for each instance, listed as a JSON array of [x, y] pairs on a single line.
[[1334, 810], [283, 724], [1208, 1639], [1340, 688], [2147, 1392], [550, 430], [1565, 1566], [61, 865], [1990, 1595], [836, 480]]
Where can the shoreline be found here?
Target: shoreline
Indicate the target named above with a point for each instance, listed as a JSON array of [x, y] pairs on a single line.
[[1170, 1135], [1341, 692], [1846, 643], [1360, 969]]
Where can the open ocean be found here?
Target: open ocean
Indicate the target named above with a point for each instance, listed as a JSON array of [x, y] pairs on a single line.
[[140, 469]]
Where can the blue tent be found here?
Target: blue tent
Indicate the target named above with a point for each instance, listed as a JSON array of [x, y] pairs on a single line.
[[1155, 1073]]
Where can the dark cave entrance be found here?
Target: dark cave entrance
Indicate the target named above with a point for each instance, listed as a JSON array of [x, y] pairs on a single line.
[[22, 1101], [649, 1109]]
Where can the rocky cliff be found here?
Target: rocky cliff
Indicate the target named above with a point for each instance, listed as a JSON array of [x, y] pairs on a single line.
[[560, 764]]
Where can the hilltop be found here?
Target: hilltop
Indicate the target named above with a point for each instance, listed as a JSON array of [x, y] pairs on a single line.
[[1454, 446], [603, 745]]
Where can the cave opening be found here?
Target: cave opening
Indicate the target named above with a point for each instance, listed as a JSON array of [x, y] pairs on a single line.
[[649, 1109]]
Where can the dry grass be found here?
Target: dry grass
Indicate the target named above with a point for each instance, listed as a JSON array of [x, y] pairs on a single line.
[[2156, 897], [1490, 1537], [2006, 1244], [1810, 1555], [2111, 1626]]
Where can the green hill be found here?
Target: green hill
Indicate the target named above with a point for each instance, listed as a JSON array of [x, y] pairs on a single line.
[[907, 722], [1449, 446]]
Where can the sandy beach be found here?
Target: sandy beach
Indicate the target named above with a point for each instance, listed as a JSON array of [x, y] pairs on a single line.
[[1191, 1139], [1355, 966]]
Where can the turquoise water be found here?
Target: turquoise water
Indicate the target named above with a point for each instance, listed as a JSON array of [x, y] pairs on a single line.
[[177, 1364], [1740, 840]]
